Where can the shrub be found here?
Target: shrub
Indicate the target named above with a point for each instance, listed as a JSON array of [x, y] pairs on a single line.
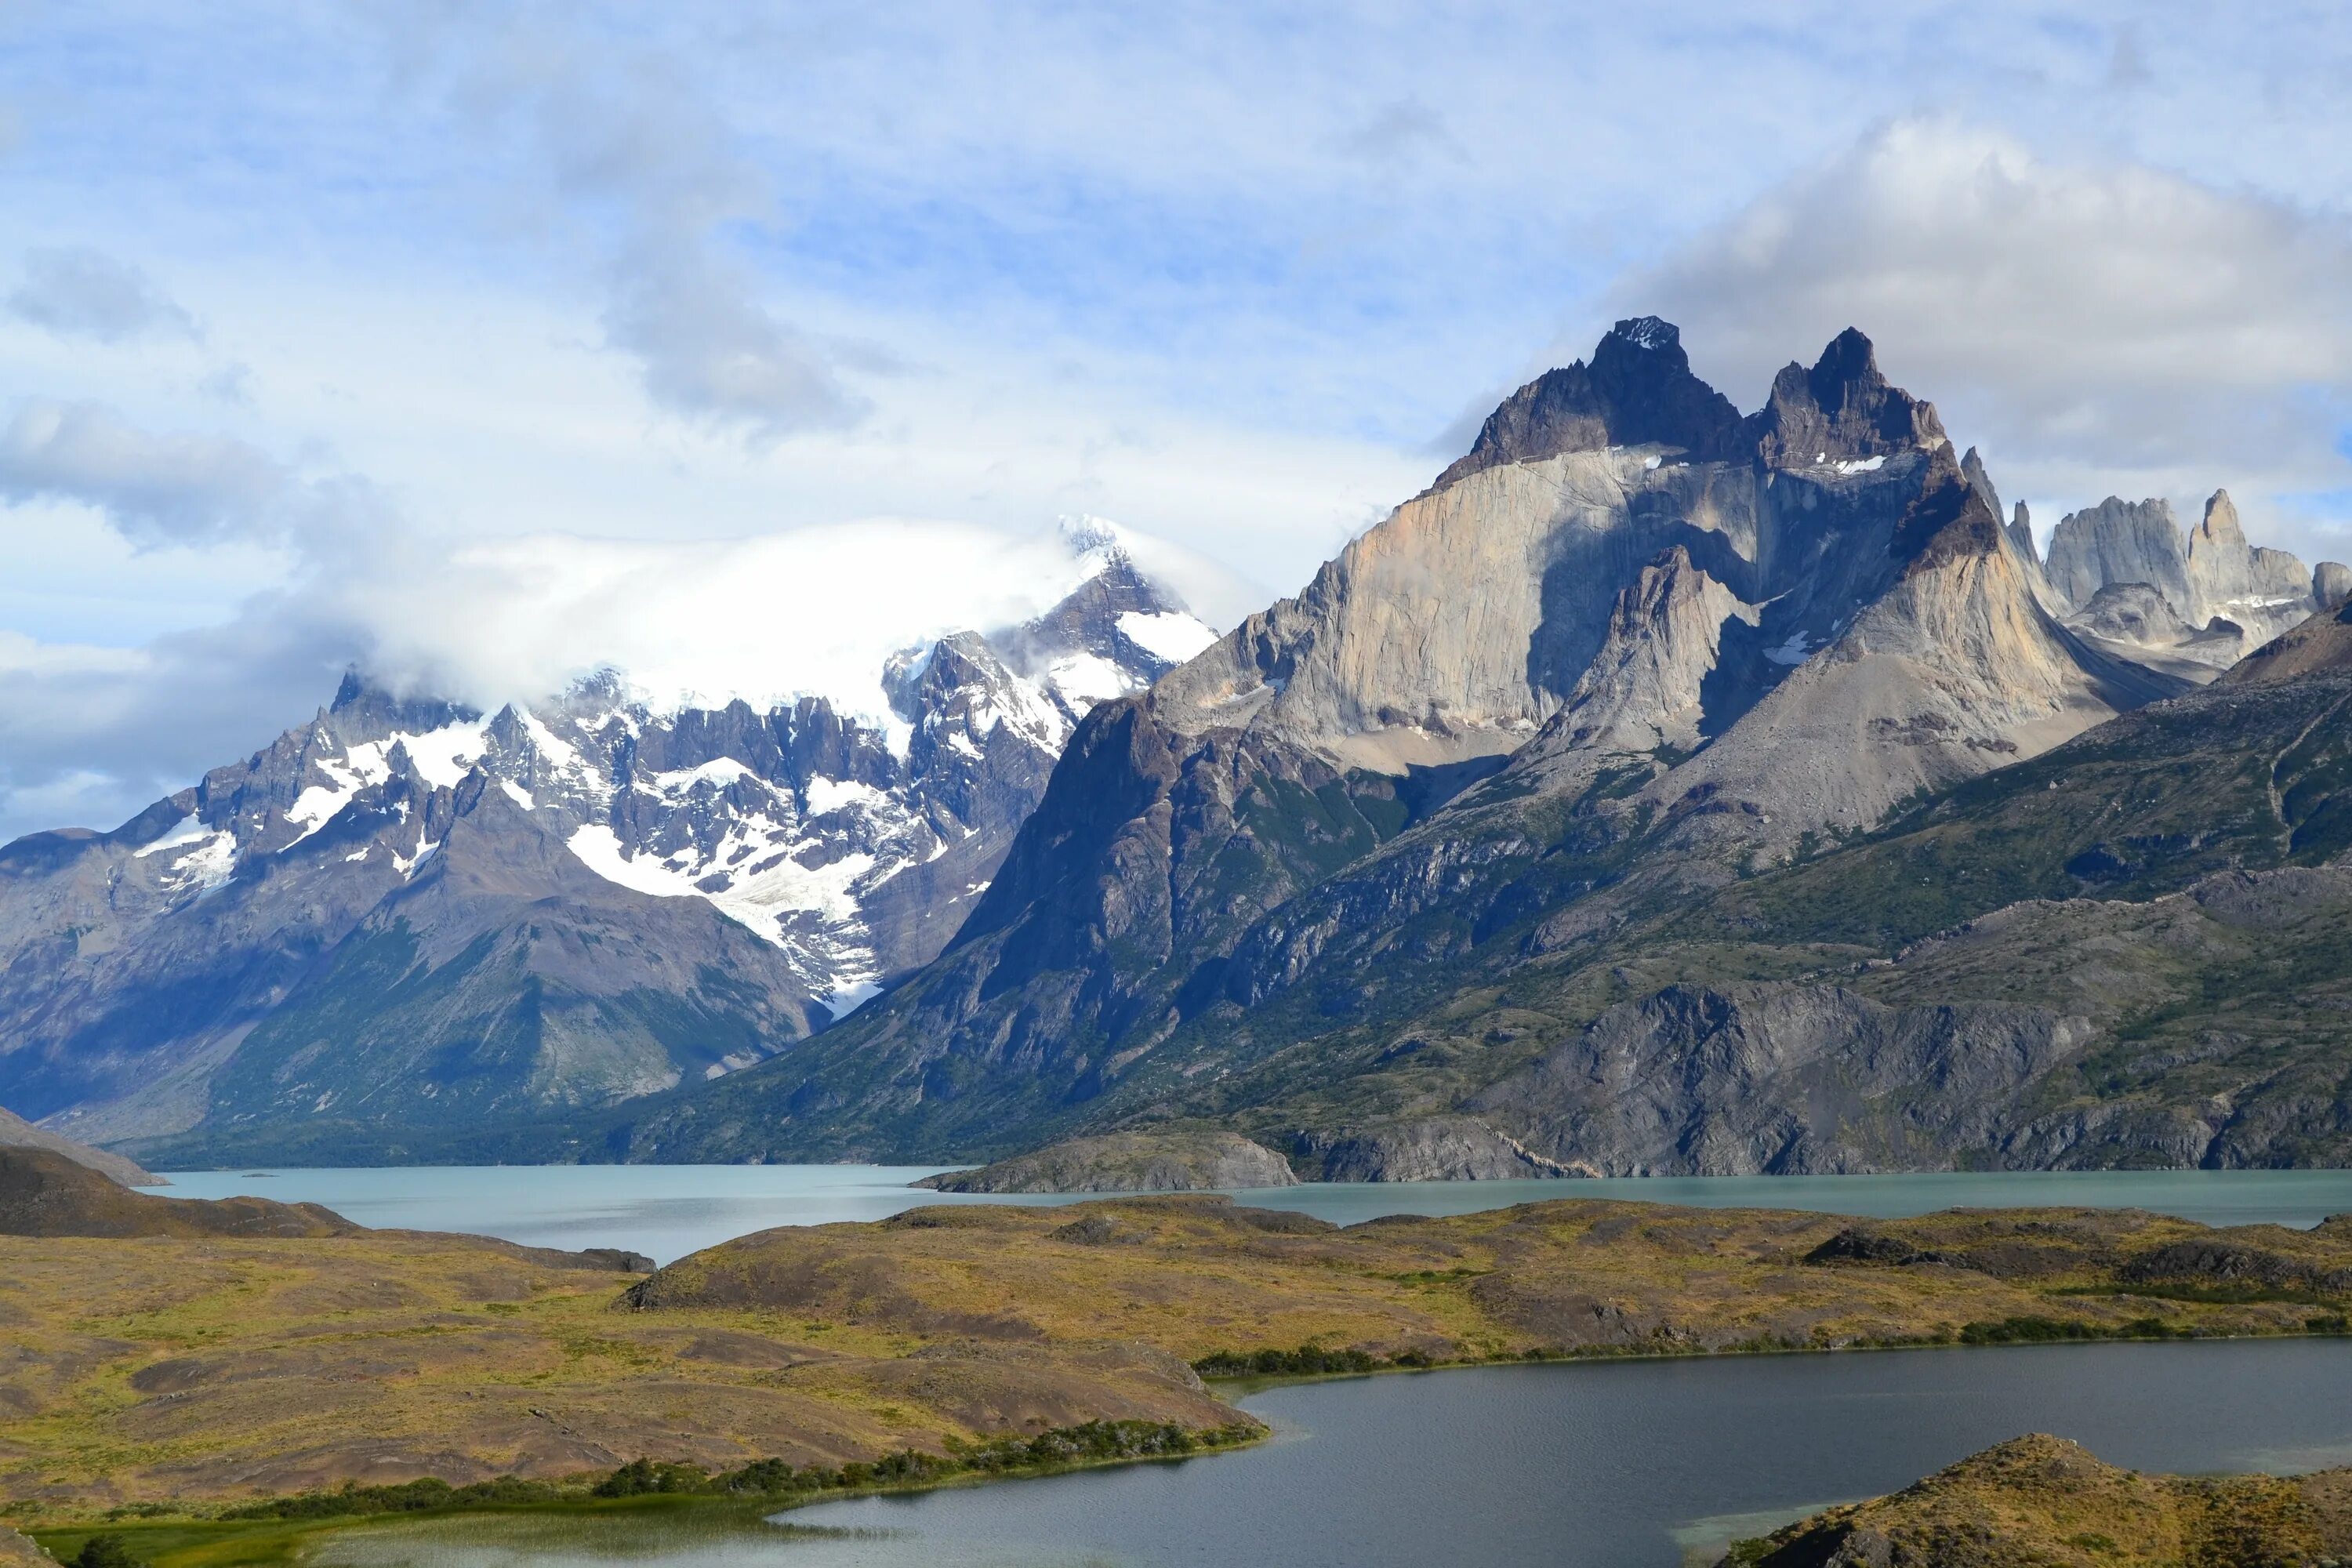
[[106, 1551], [642, 1477]]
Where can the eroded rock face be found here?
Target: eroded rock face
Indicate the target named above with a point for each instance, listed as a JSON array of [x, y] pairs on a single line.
[[1948, 670], [1646, 687], [1427, 1148], [2132, 612], [2331, 584], [1775, 1080], [2120, 542], [1141, 1162]]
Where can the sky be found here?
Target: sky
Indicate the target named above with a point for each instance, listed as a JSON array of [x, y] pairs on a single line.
[[467, 342]]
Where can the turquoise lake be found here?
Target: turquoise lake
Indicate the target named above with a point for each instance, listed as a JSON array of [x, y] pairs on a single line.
[[669, 1211]]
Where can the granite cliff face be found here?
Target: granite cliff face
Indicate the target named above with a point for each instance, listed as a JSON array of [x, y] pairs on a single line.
[[1358, 880], [2192, 606], [408, 921]]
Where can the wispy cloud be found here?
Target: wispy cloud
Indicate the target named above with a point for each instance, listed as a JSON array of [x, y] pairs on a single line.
[[178, 489], [77, 292], [616, 128]]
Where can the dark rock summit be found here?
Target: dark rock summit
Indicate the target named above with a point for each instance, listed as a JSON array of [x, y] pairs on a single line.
[[1638, 390], [1842, 409]]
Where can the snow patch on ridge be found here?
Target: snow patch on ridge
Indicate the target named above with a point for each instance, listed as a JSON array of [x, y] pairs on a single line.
[[1170, 635]]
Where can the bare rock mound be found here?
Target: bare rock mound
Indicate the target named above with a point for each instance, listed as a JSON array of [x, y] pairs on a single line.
[[1157, 1161], [16, 1132]]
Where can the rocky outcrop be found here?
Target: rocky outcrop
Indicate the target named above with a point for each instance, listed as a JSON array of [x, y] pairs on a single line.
[[1427, 1148], [1644, 689], [16, 1132], [2132, 613], [2322, 645], [2331, 584], [1174, 1160]]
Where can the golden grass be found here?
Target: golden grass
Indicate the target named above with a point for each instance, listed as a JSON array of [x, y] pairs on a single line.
[[186, 1370]]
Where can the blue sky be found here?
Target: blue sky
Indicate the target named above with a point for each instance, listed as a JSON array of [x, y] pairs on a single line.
[[300, 304]]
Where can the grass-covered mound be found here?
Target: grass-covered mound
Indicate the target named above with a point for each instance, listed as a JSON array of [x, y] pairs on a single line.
[[2043, 1502]]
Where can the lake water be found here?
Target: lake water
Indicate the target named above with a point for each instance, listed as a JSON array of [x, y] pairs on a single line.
[[669, 1211], [1605, 1465]]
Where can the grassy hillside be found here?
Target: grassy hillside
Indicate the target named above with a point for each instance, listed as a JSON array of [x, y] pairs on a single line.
[[178, 1371]]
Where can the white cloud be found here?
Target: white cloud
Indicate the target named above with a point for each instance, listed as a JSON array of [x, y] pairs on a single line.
[[76, 291], [2095, 326], [814, 612]]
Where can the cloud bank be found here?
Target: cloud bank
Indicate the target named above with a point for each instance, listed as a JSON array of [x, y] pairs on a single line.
[[2095, 326]]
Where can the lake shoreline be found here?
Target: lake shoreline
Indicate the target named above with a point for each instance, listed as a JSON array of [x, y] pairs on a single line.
[[218, 1540]]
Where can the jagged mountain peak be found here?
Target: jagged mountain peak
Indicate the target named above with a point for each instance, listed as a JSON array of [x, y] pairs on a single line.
[[1637, 390], [2229, 596], [1841, 409], [2220, 527], [565, 900]]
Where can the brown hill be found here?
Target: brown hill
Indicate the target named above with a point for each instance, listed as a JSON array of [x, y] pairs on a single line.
[[44, 1192], [16, 1132], [2321, 644]]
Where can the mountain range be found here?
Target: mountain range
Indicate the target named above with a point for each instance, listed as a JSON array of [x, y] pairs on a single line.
[[1665, 789], [407, 917]]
